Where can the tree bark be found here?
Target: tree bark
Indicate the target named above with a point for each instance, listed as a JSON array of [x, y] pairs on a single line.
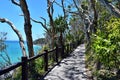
[[63, 7], [28, 32], [85, 20], [50, 11], [94, 25], [27, 27]]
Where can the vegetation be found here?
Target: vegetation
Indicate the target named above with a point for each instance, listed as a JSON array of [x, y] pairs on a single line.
[[39, 41], [103, 53], [4, 57], [105, 47]]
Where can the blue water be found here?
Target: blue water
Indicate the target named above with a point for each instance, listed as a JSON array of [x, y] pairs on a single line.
[[14, 51]]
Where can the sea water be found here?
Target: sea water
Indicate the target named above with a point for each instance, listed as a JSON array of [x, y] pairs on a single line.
[[14, 51]]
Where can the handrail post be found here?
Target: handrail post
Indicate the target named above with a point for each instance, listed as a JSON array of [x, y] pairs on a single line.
[[67, 48], [77, 42], [56, 53], [62, 54], [46, 60], [70, 47], [73, 45], [24, 68]]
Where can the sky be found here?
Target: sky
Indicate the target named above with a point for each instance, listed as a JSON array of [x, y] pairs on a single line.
[[37, 9]]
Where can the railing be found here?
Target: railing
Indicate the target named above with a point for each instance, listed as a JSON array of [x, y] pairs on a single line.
[[64, 50]]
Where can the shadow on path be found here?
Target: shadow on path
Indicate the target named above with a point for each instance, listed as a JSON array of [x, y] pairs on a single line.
[[70, 68]]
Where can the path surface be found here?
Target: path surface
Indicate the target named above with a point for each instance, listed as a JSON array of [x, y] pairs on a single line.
[[70, 68]]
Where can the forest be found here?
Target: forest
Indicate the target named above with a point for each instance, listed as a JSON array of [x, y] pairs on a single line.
[[96, 23]]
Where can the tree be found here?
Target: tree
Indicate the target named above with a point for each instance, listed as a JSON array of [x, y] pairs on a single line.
[[50, 31], [50, 11], [83, 13], [2, 39], [4, 57], [27, 25], [3, 54], [27, 28], [60, 28], [94, 25], [76, 27]]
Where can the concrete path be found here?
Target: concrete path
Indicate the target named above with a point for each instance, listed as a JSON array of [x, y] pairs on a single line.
[[70, 68]]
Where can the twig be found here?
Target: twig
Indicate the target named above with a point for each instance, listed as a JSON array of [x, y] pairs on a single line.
[[15, 2]]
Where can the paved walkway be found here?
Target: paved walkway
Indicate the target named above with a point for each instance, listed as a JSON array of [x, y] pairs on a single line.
[[70, 68]]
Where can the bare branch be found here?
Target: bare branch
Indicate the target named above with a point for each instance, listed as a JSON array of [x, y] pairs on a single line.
[[43, 19], [111, 7], [80, 12], [15, 2], [63, 8], [44, 25], [36, 21], [116, 10], [50, 3], [66, 9], [21, 41], [58, 4]]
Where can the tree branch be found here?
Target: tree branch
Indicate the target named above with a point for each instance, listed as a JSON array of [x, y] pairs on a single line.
[[15, 2], [44, 25], [21, 41], [71, 12], [39, 22], [50, 3], [58, 4], [111, 7], [63, 8]]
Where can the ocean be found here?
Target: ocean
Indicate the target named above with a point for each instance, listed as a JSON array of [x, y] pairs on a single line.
[[14, 51]]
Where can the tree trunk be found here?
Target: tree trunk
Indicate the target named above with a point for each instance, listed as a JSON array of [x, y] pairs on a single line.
[[27, 27], [50, 11], [62, 44], [28, 33], [94, 25], [87, 34]]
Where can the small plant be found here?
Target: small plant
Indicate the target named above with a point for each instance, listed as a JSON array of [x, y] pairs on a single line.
[[105, 75], [39, 66]]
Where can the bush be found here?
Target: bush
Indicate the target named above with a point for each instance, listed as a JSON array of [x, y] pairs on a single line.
[[105, 75], [106, 44]]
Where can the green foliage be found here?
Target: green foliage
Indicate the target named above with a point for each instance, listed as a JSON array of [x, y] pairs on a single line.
[[39, 41], [4, 57], [106, 44], [39, 66], [105, 75], [17, 74], [69, 38], [2, 39], [60, 24], [76, 29], [45, 47]]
